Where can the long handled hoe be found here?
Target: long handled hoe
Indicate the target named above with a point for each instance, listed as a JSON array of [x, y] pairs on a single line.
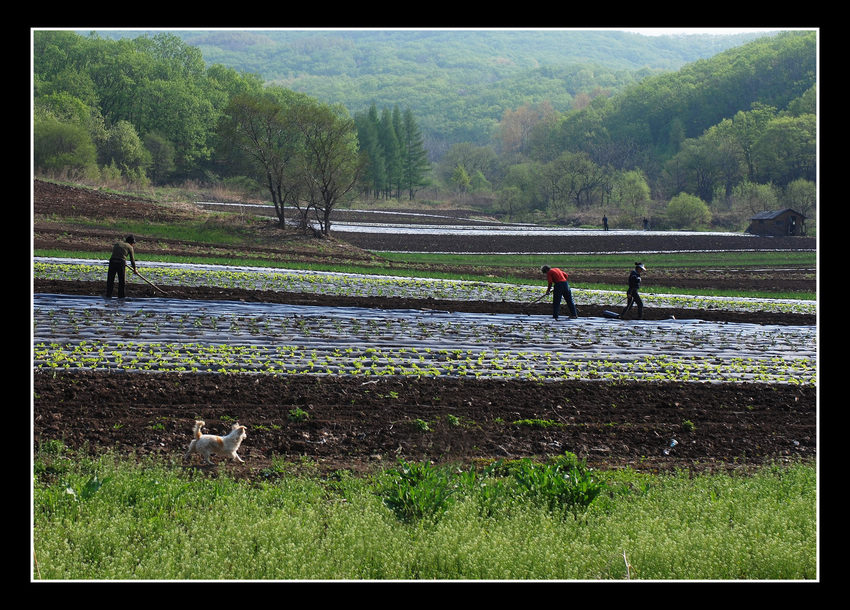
[[525, 309], [613, 314], [147, 280]]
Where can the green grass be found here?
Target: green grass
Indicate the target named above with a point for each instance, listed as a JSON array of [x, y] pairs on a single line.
[[106, 517]]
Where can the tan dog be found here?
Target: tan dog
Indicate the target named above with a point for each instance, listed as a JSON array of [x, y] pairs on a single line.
[[207, 444]]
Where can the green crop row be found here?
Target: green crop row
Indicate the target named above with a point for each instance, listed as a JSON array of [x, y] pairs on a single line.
[[365, 362], [387, 286]]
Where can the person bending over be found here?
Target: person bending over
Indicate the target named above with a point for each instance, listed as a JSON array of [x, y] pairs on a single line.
[[118, 265], [558, 285]]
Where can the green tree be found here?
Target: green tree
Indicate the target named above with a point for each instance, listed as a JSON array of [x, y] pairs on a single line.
[[330, 162], [530, 185], [479, 183], [388, 138], [632, 191], [751, 197], [688, 211], [706, 162], [71, 110], [510, 200], [62, 147], [65, 107], [460, 180], [746, 127], [156, 84], [575, 178], [786, 150], [374, 175], [469, 156], [182, 110], [259, 126], [60, 66], [124, 150], [161, 156], [801, 196], [727, 158], [415, 165], [806, 103], [306, 151]]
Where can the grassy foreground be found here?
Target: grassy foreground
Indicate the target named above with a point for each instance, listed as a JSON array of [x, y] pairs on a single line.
[[110, 517]]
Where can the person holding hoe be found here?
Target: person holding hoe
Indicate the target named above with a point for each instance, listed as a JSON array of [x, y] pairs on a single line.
[[632, 295], [118, 264], [557, 280]]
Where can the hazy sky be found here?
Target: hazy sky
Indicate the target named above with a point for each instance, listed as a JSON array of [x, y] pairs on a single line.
[[662, 31]]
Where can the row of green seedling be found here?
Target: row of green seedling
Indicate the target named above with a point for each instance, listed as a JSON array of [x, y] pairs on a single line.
[[369, 362]]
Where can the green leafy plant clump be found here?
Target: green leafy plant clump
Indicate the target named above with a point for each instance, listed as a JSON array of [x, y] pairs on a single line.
[[298, 414], [566, 483], [538, 423]]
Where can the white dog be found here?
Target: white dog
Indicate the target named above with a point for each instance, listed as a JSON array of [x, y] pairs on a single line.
[[207, 444]]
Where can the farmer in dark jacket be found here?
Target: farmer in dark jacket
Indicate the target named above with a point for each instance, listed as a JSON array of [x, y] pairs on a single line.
[[118, 264], [558, 280], [632, 295]]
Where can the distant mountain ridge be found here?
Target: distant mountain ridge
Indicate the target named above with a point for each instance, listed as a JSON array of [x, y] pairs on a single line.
[[525, 49], [458, 83]]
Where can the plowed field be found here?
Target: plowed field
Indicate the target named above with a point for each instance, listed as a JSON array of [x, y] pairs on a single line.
[[358, 423]]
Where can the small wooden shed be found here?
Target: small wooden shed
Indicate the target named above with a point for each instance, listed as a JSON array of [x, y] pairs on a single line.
[[777, 223]]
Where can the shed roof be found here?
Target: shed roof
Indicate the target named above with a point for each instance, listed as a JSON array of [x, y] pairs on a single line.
[[770, 214]]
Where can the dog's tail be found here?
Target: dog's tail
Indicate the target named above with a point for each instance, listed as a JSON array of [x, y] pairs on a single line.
[[196, 431]]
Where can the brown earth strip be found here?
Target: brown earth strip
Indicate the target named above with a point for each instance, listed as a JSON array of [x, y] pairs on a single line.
[[358, 425]]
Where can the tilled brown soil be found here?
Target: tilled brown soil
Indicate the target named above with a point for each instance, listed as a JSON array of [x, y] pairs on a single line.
[[357, 425], [360, 425]]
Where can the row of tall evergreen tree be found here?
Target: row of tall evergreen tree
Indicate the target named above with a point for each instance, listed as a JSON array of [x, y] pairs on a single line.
[[394, 146]]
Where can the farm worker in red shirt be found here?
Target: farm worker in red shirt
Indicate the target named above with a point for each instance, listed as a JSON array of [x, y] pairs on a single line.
[[558, 280]]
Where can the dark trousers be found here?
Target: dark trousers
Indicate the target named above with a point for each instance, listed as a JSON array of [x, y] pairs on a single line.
[[118, 268], [562, 290], [633, 298]]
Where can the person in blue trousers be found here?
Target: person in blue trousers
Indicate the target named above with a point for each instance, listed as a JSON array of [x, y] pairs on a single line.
[[557, 281]]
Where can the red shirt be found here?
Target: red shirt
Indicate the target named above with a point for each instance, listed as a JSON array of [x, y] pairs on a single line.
[[555, 275]]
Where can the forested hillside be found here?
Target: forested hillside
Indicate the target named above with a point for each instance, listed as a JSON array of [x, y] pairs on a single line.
[[458, 83], [705, 145]]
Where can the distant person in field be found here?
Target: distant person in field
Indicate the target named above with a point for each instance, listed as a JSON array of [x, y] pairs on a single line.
[[605, 222], [632, 294], [118, 265], [557, 280]]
